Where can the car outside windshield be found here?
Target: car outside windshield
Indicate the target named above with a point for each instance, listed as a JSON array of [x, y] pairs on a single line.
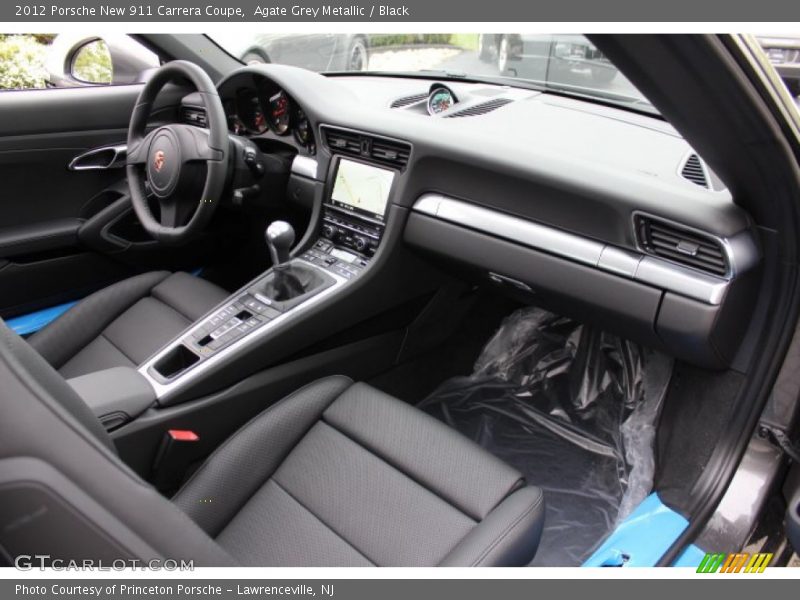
[[566, 63]]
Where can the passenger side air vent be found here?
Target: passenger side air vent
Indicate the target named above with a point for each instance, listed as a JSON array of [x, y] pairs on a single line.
[[408, 100], [693, 171], [376, 149], [681, 245], [194, 116], [480, 109]]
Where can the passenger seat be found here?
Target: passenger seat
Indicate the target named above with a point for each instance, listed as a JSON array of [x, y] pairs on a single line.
[[336, 474]]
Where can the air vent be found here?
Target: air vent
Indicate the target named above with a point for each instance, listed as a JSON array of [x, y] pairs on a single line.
[[694, 171], [481, 109], [408, 100], [344, 142], [384, 151], [685, 246], [194, 116]]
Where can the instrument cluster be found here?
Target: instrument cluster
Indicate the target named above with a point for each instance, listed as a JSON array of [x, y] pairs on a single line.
[[265, 111]]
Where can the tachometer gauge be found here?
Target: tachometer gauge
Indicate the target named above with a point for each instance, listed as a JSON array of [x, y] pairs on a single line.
[[440, 99], [302, 128], [279, 113]]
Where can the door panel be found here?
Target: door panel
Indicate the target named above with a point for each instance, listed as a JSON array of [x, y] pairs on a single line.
[[65, 233]]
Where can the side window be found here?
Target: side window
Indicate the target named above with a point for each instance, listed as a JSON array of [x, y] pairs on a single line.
[[34, 61]]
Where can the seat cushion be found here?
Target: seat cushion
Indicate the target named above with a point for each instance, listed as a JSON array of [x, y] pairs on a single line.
[[123, 324], [341, 474]]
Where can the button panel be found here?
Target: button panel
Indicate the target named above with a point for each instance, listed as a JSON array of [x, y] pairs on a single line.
[[351, 231], [341, 261], [230, 323], [252, 310]]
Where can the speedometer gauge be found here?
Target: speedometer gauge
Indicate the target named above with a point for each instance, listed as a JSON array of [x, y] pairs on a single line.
[[440, 99], [279, 113]]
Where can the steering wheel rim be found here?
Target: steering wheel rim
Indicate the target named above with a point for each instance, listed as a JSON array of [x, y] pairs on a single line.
[[161, 156]]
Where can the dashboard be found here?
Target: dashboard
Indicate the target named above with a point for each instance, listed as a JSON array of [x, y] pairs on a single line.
[[600, 213]]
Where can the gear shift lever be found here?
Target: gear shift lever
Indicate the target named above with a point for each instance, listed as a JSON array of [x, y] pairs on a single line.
[[288, 281], [280, 237]]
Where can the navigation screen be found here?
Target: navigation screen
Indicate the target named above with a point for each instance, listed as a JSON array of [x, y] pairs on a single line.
[[362, 188]]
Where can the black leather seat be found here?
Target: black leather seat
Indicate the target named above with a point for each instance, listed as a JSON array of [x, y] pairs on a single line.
[[123, 324], [336, 474], [340, 474]]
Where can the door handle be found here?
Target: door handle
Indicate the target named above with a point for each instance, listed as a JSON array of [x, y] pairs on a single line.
[[107, 157]]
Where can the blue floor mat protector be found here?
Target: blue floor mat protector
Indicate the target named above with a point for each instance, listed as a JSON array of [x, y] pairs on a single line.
[[33, 322], [643, 538]]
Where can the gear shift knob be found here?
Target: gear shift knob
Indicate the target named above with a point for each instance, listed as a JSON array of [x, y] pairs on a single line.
[[280, 237]]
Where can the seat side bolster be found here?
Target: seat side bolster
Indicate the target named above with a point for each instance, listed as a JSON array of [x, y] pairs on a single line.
[[243, 464], [508, 536], [73, 330], [189, 295]]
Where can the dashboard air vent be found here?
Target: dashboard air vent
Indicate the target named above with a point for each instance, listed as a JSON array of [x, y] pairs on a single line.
[[194, 116], [344, 142], [408, 100], [380, 150], [480, 109], [693, 171], [677, 244]]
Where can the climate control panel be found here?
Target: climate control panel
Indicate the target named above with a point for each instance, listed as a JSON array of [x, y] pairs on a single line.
[[353, 232]]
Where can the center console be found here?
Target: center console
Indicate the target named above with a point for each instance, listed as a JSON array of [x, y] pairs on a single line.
[[350, 232], [352, 217]]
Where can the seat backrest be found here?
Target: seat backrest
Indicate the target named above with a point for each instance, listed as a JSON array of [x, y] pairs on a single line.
[[63, 490]]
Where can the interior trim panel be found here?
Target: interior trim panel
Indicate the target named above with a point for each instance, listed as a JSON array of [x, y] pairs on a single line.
[[646, 269]]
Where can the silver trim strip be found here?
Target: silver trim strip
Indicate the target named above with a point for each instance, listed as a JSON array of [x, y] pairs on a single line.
[[117, 160], [619, 261], [686, 282], [163, 390], [305, 166], [644, 268], [519, 230]]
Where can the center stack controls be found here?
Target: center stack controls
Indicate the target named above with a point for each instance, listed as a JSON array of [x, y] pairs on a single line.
[[350, 231]]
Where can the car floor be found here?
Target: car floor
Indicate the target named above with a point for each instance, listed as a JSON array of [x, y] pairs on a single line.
[[571, 407]]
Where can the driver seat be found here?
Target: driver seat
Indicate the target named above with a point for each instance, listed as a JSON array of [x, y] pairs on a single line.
[[125, 323]]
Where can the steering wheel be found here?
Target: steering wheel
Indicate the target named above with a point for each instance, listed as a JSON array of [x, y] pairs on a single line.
[[170, 159]]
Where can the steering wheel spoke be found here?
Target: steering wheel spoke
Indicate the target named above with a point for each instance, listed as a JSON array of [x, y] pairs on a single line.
[[195, 144], [175, 212], [138, 150]]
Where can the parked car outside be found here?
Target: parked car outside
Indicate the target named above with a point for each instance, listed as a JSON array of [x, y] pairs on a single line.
[[314, 51], [563, 58]]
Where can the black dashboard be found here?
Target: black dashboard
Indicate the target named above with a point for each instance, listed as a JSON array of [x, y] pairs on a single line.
[[606, 214]]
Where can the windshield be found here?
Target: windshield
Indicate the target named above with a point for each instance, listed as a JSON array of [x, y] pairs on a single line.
[[567, 63]]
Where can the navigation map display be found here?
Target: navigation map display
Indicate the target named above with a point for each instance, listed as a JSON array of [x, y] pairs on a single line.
[[362, 188]]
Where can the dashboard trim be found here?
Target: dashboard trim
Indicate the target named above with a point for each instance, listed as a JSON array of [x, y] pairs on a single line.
[[305, 166], [639, 267]]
